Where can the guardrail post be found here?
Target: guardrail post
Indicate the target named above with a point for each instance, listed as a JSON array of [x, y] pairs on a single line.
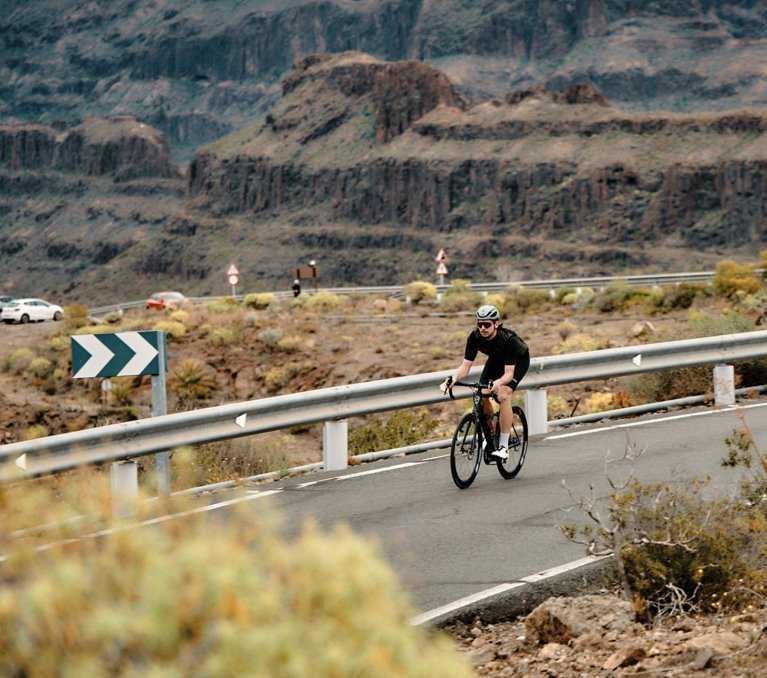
[[335, 445], [536, 409], [724, 385], [124, 486]]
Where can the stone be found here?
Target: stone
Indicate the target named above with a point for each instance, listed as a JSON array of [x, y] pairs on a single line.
[[631, 654], [562, 619]]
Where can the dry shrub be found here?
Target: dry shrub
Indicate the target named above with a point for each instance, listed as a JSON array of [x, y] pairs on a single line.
[[460, 297], [325, 301], [731, 278], [228, 460], [402, 428], [75, 316], [261, 300], [526, 299], [192, 380], [419, 291], [186, 597], [678, 551], [18, 361], [174, 330], [578, 343]]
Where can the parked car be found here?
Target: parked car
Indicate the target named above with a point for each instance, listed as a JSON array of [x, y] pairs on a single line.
[[4, 301], [30, 310], [168, 299]]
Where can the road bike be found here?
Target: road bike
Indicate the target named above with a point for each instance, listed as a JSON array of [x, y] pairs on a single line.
[[476, 437]]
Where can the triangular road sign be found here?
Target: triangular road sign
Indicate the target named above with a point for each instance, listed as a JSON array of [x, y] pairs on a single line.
[[232, 270], [441, 268], [441, 256]]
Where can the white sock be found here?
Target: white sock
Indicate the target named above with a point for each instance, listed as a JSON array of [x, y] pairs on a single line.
[[504, 442]]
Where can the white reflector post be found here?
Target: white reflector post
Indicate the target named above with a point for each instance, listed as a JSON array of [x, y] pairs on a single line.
[[724, 385], [124, 489], [335, 445], [536, 410]]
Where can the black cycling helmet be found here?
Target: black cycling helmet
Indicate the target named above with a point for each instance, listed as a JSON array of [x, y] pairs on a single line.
[[488, 312]]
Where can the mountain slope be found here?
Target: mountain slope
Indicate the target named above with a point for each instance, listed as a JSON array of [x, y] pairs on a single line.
[[198, 69]]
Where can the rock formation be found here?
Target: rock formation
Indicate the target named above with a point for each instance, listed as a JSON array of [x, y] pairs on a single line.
[[120, 146], [198, 69], [532, 176]]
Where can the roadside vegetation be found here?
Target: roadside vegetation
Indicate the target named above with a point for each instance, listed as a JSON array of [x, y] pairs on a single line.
[[202, 596], [678, 551]]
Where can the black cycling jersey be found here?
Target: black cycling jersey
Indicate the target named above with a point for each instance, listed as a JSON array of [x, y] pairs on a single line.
[[506, 345], [505, 348]]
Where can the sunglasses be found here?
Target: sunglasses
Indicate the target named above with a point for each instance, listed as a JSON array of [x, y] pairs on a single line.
[[484, 323]]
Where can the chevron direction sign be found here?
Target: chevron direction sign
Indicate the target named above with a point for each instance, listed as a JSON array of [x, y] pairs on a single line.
[[121, 354]]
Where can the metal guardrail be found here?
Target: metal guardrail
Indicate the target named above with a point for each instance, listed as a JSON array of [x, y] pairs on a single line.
[[398, 290], [146, 436]]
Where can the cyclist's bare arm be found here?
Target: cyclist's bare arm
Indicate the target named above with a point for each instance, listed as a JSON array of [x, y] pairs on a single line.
[[460, 373]]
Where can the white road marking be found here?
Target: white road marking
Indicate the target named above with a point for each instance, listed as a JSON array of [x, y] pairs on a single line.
[[379, 470], [502, 588], [658, 420], [154, 521]]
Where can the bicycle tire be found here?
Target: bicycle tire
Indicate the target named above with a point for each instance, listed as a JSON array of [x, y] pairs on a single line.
[[510, 467], [465, 452]]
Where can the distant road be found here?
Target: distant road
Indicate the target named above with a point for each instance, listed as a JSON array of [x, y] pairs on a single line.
[[446, 543], [398, 290]]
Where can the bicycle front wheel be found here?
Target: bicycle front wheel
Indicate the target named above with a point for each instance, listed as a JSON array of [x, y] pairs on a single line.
[[466, 452], [517, 445]]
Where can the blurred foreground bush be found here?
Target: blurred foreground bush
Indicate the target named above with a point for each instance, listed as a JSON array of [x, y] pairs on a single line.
[[205, 595]]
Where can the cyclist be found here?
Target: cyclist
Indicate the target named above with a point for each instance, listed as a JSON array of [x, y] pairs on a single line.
[[508, 360]]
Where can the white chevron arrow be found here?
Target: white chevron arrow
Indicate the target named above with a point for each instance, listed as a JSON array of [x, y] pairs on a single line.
[[144, 351], [100, 355]]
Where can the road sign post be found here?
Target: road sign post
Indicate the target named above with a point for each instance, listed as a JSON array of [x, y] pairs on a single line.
[[441, 260], [124, 354], [233, 277]]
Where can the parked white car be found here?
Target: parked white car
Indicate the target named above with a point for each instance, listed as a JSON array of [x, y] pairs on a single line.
[[30, 310]]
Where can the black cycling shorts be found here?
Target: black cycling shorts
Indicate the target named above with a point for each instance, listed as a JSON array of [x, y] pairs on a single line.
[[495, 368]]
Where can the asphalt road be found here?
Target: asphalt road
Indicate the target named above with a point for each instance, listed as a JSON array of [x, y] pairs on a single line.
[[447, 543]]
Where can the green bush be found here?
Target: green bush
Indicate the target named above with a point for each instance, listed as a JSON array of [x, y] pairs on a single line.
[[261, 300], [684, 294], [324, 301], [402, 428], [613, 298], [193, 380], [731, 278], [173, 329], [562, 292], [578, 343], [419, 290], [18, 361], [526, 299], [186, 598], [498, 300]]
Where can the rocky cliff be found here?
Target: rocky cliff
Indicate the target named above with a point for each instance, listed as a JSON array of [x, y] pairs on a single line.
[[198, 69], [120, 146], [560, 176]]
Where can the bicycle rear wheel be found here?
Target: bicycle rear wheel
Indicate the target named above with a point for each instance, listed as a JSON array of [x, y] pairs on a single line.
[[466, 452], [517, 445]]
